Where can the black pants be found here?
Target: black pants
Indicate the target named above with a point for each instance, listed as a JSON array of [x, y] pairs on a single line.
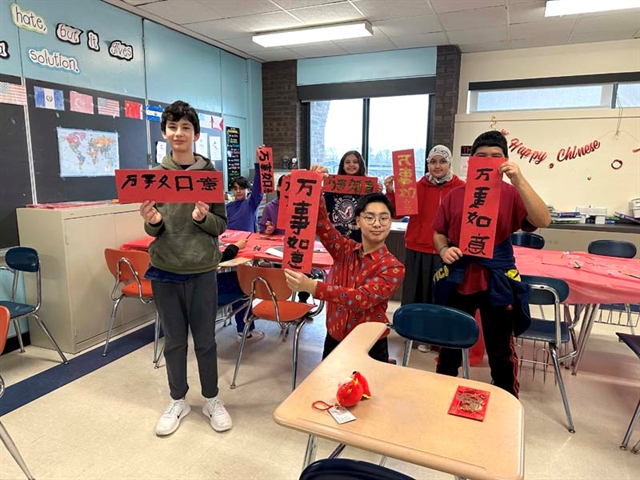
[[497, 326], [181, 306], [418, 278], [379, 351]]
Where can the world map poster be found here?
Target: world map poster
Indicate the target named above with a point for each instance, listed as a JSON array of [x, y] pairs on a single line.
[[87, 153]]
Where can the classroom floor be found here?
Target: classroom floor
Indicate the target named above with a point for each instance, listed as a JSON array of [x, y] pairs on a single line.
[[101, 426]]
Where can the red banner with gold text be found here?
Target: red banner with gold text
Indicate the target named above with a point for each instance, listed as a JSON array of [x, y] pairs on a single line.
[[404, 172]]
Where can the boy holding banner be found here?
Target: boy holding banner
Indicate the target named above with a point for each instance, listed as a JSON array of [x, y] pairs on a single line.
[[476, 277], [364, 275], [184, 257]]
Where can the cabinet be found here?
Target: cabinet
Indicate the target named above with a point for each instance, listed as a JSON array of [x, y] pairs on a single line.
[[76, 283]]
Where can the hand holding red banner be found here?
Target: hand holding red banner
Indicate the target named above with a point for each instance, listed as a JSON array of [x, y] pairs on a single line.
[[300, 231], [404, 171], [481, 205], [264, 158], [169, 186]]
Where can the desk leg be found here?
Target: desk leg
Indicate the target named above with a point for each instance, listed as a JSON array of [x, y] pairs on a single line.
[[310, 454], [587, 324]]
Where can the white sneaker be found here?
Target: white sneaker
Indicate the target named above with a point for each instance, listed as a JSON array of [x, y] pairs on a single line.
[[423, 348], [170, 420], [253, 336], [220, 418]]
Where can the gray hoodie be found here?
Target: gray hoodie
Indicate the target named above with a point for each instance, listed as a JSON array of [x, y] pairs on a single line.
[[182, 245]]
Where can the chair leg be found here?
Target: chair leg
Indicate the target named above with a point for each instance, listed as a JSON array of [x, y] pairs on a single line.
[[465, 364], [383, 461], [407, 352], [51, 339], [296, 342], [247, 324], [563, 392], [112, 320], [310, 452], [13, 450], [636, 447], [632, 424], [16, 327]]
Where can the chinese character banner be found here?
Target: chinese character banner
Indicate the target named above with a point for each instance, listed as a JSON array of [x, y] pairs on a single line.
[[348, 184], [264, 159], [404, 172]]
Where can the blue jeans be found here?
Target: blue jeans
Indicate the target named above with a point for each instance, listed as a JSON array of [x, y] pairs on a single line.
[[228, 286]]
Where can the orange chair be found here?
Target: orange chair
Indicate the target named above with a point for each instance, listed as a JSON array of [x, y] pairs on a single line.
[[128, 267], [270, 286], [5, 318]]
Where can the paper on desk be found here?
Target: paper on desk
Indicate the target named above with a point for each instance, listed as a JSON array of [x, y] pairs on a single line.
[[275, 251]]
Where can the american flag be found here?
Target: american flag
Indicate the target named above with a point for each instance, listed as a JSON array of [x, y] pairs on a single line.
[[108, 107], [13, 93]]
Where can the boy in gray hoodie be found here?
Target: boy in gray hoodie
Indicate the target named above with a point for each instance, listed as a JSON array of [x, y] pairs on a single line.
[[184, 258]]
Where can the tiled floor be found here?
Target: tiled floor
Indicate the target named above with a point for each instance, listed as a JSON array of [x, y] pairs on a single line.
[[102, 425]]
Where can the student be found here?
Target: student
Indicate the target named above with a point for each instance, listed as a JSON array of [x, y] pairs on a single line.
[[469, 283], [421, 257], [342, 207], [269, 219], [228, 284], [184, 257], [243, 211], [364, 275]]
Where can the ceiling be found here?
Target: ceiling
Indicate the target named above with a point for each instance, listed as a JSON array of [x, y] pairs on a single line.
[[474, 25]]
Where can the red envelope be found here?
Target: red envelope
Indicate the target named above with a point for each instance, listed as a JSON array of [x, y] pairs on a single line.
[[470, 403]]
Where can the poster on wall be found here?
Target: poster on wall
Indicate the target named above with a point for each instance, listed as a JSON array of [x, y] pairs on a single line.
[[233, 154], [87, 153]]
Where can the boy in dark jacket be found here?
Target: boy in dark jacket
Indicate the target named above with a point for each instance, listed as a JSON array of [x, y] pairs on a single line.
[[184, 258]]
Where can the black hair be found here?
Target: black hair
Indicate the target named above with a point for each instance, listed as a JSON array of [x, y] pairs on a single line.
[[492, 138], [177, 111], [242, 182], [362, 171], [280, 180], [373, 198]]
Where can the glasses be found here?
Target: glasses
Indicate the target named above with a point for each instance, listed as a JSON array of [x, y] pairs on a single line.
[[371, 219]]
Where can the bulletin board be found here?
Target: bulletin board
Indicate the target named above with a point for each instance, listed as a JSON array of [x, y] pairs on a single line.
[[52, 184], [15, 183]]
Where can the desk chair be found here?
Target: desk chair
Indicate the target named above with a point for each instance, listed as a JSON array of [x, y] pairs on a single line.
[[528, 240], [633, 342], [26, 260], [5, 318], [269, 286], [618, 249], [347, 469], [128, 268], [555, 333], [436, 325]]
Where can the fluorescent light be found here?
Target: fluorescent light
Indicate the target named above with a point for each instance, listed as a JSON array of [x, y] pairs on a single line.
[[314, 34], [557, 8]]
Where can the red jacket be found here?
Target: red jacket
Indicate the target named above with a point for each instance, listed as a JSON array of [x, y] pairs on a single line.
[[419, 235]]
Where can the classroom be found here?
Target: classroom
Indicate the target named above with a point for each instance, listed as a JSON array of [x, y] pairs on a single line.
[[411, 95]]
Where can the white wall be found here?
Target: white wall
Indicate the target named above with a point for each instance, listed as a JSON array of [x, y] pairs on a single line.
[[587, 180]]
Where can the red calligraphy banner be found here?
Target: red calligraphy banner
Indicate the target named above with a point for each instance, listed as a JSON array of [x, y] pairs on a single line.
[[283, 203], [404, 172], [481, 205], [169, 186], [348, 184], [300, 231], [264, 157]]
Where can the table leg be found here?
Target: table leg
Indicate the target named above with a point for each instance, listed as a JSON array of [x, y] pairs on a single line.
[[310, 453], [585, 331]]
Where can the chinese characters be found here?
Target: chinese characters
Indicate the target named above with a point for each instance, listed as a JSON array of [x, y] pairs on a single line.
[[404, 171]]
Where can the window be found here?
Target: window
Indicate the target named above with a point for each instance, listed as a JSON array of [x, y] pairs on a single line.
[[628, 95]]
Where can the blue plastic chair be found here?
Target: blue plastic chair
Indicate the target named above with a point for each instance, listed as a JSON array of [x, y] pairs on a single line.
[[633, 342], [528, 240], [347, 469], [436, 325], [551, 291], [25, 259]]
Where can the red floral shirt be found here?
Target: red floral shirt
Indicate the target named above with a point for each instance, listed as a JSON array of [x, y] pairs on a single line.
[[359, 286]]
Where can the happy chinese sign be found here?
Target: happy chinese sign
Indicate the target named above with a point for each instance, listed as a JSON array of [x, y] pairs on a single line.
[[480, 208], [264, 157], [300, 231], [404, 172], [347, 184], [170, 186]]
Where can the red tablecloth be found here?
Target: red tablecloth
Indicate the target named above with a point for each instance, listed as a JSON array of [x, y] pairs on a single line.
[[597, 280], [257, 246]]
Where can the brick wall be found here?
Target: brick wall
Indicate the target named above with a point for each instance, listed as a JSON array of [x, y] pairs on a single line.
[[282, 114], [447, 83]]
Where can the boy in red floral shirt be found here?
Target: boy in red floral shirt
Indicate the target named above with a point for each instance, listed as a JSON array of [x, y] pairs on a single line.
[[364, 275]]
